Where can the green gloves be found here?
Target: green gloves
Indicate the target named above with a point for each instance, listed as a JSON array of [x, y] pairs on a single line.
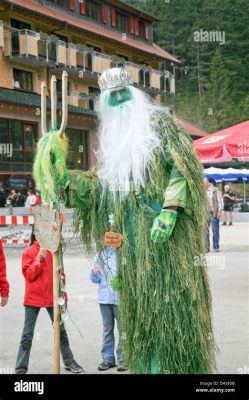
[[163, 226]]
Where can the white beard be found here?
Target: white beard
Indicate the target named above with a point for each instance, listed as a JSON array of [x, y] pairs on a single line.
[[126, 142]]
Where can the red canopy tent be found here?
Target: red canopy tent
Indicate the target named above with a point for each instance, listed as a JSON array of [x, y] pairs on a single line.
[[225, 145]]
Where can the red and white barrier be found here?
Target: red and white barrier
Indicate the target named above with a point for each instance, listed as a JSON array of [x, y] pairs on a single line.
[[16, 219], [6, 242]]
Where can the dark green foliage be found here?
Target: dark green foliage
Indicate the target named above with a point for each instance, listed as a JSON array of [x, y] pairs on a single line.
[[165, 304], [198, 75]]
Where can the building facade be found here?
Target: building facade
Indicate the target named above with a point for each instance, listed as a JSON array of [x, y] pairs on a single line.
[[41, 38]]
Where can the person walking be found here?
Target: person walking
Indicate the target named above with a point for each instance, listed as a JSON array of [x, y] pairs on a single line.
[[104, 269], [37, 269], [21, 199], [4, 284], [30, 200], [38, 198], [2, 198], [229, 200], [215, 202], [13, 198]]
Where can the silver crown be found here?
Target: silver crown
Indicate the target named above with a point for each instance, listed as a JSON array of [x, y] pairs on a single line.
[[114, 78]]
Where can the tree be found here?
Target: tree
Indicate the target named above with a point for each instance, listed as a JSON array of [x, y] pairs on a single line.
[[195, 81], [217, 107]]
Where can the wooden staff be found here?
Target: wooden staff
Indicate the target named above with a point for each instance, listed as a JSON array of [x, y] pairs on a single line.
[[56, 275], [56, 258]]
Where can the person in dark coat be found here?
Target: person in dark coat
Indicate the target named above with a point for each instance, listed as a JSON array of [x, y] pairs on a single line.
[[2, 198]]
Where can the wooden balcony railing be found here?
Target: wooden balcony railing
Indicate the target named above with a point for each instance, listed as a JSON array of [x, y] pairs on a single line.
[[32, 47]]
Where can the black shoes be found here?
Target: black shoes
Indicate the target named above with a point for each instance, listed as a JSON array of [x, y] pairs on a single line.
[[74, 367], [224, 224], [104, 366]]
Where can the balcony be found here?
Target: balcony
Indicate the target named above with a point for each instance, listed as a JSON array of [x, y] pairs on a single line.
[[39, 49], [79, 103]]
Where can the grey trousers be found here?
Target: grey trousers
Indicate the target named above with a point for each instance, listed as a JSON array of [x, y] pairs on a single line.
[[31, 314]]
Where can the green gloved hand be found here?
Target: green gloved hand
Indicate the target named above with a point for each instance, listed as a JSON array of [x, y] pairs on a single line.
[[163, 226]]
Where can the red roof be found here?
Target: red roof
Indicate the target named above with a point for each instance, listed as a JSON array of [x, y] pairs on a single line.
[[85, 25], [192, 129]]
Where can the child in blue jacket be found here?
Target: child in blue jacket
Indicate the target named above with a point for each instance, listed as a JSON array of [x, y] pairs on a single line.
[[104, 269]]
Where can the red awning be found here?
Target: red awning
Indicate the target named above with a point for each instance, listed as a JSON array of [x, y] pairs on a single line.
[[225, 145]]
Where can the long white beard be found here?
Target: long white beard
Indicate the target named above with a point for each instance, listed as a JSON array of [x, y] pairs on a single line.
[[126, 142]]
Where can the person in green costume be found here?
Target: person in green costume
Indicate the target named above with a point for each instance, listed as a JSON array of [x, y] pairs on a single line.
[[148, 186]]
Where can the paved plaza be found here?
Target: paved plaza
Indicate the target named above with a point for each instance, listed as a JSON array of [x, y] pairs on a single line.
[[228, 272]]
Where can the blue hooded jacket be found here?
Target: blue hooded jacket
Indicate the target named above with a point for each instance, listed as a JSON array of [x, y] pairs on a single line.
[[107, 262]]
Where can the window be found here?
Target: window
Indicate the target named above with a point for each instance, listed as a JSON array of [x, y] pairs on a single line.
[[22, 136], [23, 79], [19, 24], [89, 57], [61, 37], [15, 44], [144, 78], [122, 57], [59, 88], [89, 62], [121, 22], [4, 131], [93, 91], [94, 48], [142, 29], [147, 78], [78, 154], [93, 10], [29, 137], [141, 77], [61, 3]]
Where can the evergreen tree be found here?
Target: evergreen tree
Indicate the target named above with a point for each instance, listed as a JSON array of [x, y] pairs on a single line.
[[217, 107], [196, 76]]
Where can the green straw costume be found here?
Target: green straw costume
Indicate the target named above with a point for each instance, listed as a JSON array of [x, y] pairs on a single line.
[[165, 303]]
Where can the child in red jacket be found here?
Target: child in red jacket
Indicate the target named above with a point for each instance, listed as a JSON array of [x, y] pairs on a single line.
[[4, 284], [37, 268]]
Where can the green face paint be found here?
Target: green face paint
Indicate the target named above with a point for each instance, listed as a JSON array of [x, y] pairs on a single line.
[[119, 97]]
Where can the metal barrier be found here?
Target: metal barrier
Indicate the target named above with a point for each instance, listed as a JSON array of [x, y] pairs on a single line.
[[12, 218]]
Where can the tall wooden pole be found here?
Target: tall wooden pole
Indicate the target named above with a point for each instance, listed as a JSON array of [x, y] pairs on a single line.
[[56, 274], [56, 255]]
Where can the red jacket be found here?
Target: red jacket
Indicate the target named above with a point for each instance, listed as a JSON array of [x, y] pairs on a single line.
[[4, 284], [38, 277]]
